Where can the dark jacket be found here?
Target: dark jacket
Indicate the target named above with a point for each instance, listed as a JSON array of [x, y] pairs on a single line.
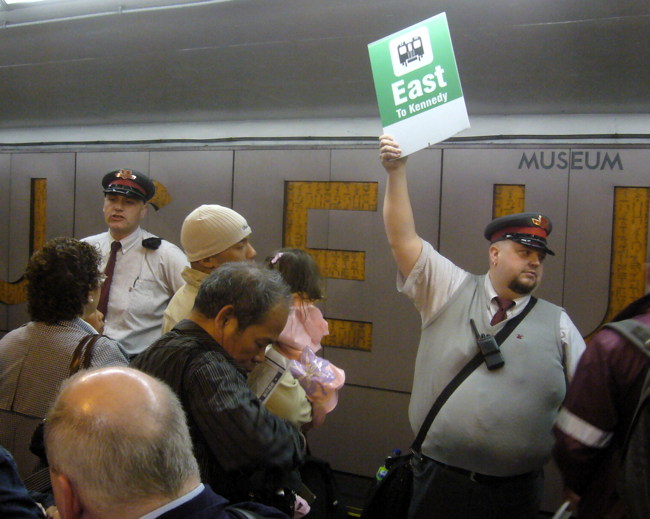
[[240, 446], [208, 505], [15, 501]]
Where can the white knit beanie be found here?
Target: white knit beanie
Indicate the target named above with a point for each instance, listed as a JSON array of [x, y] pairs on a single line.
[[211, 229]]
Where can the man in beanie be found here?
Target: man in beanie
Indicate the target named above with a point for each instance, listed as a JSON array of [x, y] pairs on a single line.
[[211, 236], [143, 272], [484, 452]]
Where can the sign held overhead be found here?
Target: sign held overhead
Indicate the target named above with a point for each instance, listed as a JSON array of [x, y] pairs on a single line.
[[418, 88]]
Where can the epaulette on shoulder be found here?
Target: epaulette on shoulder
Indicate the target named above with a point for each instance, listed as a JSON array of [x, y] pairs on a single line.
[[152, 243]]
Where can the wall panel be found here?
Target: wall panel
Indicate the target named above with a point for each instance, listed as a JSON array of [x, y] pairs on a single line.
[[192, 178], [58, 169], [5, 244], [376, 300], [260, 177], [591, 226], [364, 428]]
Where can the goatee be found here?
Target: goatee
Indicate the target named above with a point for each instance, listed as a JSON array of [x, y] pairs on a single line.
[[519, 288]]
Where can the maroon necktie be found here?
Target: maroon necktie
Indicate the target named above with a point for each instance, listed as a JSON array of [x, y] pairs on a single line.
[[106, 287], [501, 314]]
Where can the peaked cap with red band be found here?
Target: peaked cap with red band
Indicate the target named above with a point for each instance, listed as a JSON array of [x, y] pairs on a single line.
[[129, 182], [530, 229]]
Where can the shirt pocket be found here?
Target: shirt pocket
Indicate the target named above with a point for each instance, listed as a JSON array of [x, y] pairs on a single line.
[[143, 290]]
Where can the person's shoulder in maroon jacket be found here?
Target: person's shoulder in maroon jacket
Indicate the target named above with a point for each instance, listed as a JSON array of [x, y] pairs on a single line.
[[596, 415]]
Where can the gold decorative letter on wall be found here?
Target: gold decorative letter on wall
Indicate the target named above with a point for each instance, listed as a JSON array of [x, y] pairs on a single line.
[[299, 198], [508, 199], [356, 335], [162, 196], [12, 293], [629, 248]]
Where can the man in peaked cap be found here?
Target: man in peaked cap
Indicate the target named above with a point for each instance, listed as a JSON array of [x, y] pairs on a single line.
[[484, 453], [211, 235], [129, 183], [143, 271], [529, 231]]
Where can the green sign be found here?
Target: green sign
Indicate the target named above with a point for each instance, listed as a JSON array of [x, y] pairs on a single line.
[[418, 88]]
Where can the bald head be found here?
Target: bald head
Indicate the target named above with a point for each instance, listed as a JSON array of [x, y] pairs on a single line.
[[119, 437], [124, 397]]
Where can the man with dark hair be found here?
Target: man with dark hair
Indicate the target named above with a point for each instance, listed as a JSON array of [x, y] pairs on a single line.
[[118, 446], [143, 271], [484, 453], [242, 448]]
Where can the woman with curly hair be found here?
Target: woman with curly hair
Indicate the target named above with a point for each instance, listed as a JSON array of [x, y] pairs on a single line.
[[63, 287]]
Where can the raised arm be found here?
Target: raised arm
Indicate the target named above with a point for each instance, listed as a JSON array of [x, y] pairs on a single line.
[[398, 213]]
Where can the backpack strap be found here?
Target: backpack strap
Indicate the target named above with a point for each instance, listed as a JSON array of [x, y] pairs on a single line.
[[639, 335], [634, 331]]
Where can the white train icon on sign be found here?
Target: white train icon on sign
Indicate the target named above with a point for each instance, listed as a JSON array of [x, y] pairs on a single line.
[[410, 51]]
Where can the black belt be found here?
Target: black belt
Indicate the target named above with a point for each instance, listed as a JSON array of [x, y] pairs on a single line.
[[481, 478]]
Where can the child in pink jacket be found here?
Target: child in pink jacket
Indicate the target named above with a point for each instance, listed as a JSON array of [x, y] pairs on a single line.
[[300, 339]]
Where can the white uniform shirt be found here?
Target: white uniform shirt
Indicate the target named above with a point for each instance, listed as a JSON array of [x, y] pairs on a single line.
[[144, 281]]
